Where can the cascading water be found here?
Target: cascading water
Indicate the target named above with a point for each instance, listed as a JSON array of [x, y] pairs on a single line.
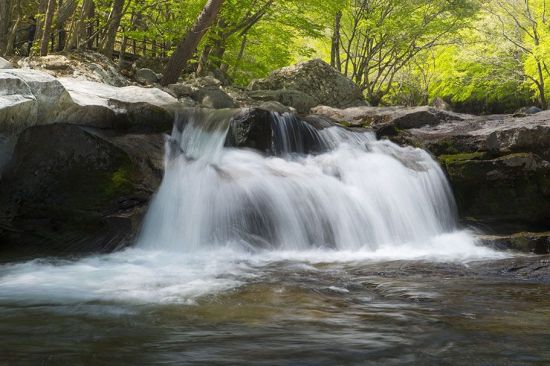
[[358, 194], [223, 214]]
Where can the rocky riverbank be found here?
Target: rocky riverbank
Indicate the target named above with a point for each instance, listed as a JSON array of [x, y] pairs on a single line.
[[83, 156]]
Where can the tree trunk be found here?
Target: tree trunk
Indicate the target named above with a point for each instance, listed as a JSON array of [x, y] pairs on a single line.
[[108, 43], [541, 87], [188, 45], [240, 55], [5, 22], [42, 7], [335, 50], [11, 39], [90, 26], [47, 28]]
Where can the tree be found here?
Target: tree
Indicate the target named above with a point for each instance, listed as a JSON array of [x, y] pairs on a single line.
[[5, 22], [381, 37], [108, 42], [188, 45], [524, 25], [47, 29]]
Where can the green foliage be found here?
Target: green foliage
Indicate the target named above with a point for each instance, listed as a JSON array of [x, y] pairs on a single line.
[[479, 55]]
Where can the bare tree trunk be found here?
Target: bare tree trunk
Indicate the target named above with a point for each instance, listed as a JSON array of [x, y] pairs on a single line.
[[42, 8], [5, 23], [188, 45], [11, 39], [47, 28], [108, 43], [335, 50]]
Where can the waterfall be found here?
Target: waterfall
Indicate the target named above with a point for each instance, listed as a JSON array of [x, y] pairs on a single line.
[[223, 214], [328, 188]]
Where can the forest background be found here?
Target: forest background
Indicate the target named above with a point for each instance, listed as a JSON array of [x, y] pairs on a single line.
[[479, 56]]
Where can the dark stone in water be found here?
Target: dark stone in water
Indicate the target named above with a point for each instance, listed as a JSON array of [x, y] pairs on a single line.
[[276, 134], [77, 190]]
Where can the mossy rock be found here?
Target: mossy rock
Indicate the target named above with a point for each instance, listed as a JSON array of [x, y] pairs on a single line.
[[65, 183]]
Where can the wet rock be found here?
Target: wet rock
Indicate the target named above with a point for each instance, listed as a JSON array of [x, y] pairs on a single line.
[[251, 128], [75, 189], [526, 242], [323, 83], [511, 188]]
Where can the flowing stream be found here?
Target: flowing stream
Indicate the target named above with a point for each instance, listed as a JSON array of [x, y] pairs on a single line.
[[337, 249]]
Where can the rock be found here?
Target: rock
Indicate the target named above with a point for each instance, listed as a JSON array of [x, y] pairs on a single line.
[[383, 117], [537, 243], [206, 81], [513, 188], [522, 112], [89, 66], [5, 64], [181, 90], [277, 107], [251, 128], [273, 133], [212, 97], [105, 106], [146, 76], [29, 97], [77, 189], [499, 134], [323, 83], [441, 104], [296, 99], [205, 91]]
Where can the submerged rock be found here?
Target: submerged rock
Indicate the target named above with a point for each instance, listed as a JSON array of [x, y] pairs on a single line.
[[321, 82]]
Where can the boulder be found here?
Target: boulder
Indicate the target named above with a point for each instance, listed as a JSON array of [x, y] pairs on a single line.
[[323, 83], [5, 64], [296, 99], [105, 106], [146, 76], [274, 133], [29, 97], [77, 189], [214, 97], [511, 189], [251, 128]]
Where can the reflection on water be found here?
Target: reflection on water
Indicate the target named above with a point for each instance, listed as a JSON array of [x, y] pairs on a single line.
[[293, 312]]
